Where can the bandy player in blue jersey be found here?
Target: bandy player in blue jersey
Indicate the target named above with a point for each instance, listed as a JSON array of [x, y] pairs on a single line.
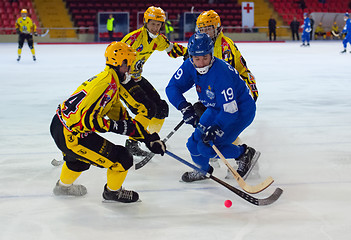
[[305, 37], [347, 30], [230, 107]]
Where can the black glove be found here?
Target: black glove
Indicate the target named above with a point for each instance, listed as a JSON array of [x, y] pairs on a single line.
[[124, 127], [189, 114], [154, 144], [18, 31], [211, 134], [199, 108]]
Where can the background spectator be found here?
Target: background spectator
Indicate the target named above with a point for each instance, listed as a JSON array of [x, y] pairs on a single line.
[[294, 26], [272, 26]]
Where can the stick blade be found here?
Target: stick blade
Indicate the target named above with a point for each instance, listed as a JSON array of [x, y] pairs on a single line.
[[271, 199], [143, 162]]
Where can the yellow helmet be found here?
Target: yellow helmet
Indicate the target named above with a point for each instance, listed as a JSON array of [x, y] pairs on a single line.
[[24, 11], [117, 52], [154, 13], [208, 18]]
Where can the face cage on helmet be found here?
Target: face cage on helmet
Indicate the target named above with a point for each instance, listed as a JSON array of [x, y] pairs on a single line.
[[205, 69]]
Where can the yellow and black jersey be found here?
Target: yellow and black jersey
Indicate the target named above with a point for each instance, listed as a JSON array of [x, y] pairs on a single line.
[[226, 49], [86, 109], [26, 26], [145, 46]]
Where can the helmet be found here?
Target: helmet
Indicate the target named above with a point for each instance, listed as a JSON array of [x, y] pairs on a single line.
[[154, 13], [200, 44], [347, 14], [117, 52], [24, 11], [208, 18]]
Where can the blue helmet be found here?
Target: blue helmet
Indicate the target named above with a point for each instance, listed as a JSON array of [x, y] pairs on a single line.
[[200, 44], [347, 14]]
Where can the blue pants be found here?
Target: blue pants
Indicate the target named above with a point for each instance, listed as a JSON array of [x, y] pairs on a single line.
[[305, 37], [347, 39], [202, 152]]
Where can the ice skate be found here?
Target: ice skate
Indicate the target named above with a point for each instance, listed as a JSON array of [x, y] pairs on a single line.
[[19, 58], [303, 45], [121, 195], [343, 51], [34, 58], [247, 161], [195, 176], [134, 148], [73, 190]]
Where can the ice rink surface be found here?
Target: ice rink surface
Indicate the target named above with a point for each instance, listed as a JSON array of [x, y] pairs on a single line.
[[302, 128]]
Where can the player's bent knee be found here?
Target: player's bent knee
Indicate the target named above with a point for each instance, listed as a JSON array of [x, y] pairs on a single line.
[[162, 110], [206, 150], [192, 146], [121, 155], [77, 166]]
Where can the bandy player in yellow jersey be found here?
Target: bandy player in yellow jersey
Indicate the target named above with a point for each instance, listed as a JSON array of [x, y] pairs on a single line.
[[95, 107], [25, 28], [209, 22], [137, 92]]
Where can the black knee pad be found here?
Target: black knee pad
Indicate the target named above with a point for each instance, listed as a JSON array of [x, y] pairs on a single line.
[[162, 110], [121, 155], [76, 165]]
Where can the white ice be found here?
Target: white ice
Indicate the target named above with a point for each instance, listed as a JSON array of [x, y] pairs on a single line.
[[302, 128]]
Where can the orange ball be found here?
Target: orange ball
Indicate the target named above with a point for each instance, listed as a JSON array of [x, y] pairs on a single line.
[[228, 203]]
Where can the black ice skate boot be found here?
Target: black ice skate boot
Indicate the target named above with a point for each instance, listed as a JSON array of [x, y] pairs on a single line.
[[247, 161], [121, 195], [73, 190], [134, 149], [195, 175], [19, 58], [343, 51], [34, 58]]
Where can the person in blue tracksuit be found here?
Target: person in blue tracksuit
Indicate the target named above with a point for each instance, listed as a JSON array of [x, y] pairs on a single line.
[[305, 37], [230, 107], [347, 30]]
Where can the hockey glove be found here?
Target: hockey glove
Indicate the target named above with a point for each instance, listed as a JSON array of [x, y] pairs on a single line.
[[199, 108], [124, 127], [189, 114], [211, 134], [154, 144]]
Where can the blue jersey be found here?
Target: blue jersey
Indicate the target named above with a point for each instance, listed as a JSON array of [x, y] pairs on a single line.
[[347, 27], [221, 90], [307, 25]]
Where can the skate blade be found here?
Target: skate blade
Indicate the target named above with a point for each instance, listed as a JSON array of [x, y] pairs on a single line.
[[254, 161], [111, 201]]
